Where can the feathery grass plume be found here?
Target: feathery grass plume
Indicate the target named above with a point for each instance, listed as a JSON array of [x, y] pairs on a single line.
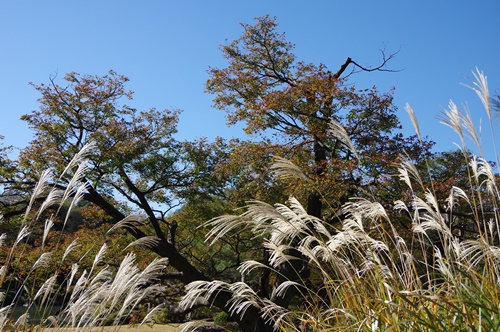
[[79, 158], [248, 266], [483, 170], [151, 272], [281, 222], [74, 270], [2, 239], [80, 191], [40, 188], [22, 321], [430, 220], [46, 229], [470, 130], [4, 316], [452, 119], [74, 244], [105, 295], [149, 242], [243, 298], [75, 181], [284, 169], [100, 255], [53, 198], [200, 291], [413, 119], [481, 89], [80, 283], [456, 193], [46, 289], [123, 277], [42, 261], [408, 172], [367, 209], [339, 132], [278, 253], [150, 317], [129, 222]]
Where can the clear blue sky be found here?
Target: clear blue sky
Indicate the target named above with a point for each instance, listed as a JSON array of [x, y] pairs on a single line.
[[165, 48]]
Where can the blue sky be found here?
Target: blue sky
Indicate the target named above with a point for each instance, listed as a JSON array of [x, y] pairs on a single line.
[[165, 48]]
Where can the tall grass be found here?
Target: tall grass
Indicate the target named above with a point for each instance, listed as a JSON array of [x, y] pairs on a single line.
[[368, 276], [46, 296]]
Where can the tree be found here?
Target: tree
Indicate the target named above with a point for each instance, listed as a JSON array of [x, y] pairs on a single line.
[[342, 137], [135, 156], [268, 89], [136, 159], [134, 168]]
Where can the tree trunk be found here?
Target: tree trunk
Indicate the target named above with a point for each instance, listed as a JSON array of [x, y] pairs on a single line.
[[250, 321], [314, 204]]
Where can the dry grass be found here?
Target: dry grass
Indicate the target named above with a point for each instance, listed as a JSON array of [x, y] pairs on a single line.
[[369, 277]]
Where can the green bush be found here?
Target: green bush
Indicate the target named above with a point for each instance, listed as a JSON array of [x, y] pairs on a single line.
[[221, 318]]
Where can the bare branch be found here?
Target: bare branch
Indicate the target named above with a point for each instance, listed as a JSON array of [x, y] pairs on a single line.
[[381, 67]]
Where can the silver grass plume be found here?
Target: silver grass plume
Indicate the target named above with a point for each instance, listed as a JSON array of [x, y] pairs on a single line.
[[455, 194], [42, 261], [2, 239], [4, 316], [129, 222], [53, 198], [429, 217], [284, 169], [75, 181], [339, 132], [80, 191], [99, 257], [200, 292], [79, 158], [149, 242], [47, 227], [480, 87], [413, 119], [21, 322], [482, 169], [74, 244], [452, 119], [470, 129], [150, 317], [408, 172], [46, 289], [371, 210], [74, 270], [40, 188]]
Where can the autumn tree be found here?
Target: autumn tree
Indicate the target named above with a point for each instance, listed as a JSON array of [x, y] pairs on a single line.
[[136, 164], [343, 139], [134, 169], [304, 105]]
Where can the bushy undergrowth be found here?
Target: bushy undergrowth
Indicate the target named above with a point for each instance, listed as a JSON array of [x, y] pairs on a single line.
[[367, 275], [47, 294]]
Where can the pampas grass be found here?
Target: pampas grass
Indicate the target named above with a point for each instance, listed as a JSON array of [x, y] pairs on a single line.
[[367, 276], [91, 298]]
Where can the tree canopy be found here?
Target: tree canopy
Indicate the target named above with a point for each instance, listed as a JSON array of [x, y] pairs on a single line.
[[340, 138]]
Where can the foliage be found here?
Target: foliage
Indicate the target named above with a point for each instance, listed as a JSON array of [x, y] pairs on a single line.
[[40, 273], [333, 258], [341, 137], [366, 276]]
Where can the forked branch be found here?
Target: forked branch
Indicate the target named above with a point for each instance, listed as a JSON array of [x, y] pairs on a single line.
[[381, 67]]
